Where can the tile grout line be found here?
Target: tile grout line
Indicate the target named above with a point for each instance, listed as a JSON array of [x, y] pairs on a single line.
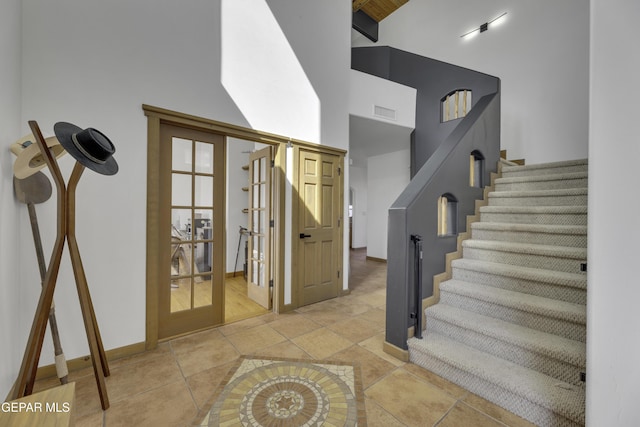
[[184, 378], [445, 414], [385, 411], [482, 412], [380, 379]]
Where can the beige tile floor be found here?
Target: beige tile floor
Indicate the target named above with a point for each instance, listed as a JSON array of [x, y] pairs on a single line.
[[170, 385]]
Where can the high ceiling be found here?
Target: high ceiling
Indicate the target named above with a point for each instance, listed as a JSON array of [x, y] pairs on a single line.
[[368, 137], [377, 9]]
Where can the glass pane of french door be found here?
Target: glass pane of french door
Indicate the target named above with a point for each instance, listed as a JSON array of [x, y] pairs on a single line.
[[194, 210]]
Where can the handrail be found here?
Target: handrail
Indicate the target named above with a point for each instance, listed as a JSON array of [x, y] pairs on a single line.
[[415, 212], [416, 314]]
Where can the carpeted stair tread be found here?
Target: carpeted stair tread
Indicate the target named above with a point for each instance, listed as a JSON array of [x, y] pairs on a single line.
[[557, 197], [538, 234], [536, 210], [528, 249], [554, 395], [561, 310], [560, 278], [532, 214], [531, 228], [549, 257], [549, 165], [542, 182], [569, 351], [542, 178], [546, 168], [560, 192], [559, 285]]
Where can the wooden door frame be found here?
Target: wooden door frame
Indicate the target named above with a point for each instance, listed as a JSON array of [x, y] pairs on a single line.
[[157, 116]]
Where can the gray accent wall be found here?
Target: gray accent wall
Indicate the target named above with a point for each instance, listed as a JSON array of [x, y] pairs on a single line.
[[433, 80], [415, 211]]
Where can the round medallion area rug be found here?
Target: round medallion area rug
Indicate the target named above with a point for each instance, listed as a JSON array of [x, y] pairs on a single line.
[[267, 392]]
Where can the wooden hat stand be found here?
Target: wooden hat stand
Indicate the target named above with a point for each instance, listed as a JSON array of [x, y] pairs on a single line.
[[66, 230]]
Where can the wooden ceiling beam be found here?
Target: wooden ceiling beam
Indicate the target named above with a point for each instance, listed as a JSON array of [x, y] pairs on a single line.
[[380, 9], [357, 4]]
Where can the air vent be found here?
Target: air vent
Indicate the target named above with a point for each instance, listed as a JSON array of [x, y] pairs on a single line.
[[386, 113]]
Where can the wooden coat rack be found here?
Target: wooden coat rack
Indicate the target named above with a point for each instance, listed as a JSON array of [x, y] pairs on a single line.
[[66, 230]]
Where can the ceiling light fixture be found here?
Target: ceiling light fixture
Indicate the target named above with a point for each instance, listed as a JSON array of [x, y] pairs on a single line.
[[484, 27]]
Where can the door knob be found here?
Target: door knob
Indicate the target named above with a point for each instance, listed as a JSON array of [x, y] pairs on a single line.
[[302, 235]]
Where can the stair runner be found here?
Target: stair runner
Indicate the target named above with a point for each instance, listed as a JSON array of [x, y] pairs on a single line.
[[511, 322]]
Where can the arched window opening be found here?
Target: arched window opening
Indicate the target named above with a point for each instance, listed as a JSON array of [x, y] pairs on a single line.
[[476, 169], [447, 215], [455, 105]]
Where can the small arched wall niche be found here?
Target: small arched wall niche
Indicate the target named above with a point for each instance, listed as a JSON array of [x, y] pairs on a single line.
[[447, 215]]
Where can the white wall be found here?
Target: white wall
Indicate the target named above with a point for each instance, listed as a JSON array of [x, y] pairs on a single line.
[[10, 105], [371, 139], [98, 73], [358, 182], [367, 91], [540, 54], [387, 176], [613, 343]]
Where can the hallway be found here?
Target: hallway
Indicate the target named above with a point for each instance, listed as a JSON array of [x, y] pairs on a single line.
[[170, 385]]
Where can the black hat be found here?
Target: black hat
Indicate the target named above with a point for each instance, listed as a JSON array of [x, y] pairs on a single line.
[[90, 147]]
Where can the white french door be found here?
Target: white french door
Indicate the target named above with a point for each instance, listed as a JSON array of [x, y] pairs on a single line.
[[259, 283]]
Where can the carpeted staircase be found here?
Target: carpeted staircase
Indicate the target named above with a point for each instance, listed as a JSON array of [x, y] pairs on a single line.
[[511, 322]]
